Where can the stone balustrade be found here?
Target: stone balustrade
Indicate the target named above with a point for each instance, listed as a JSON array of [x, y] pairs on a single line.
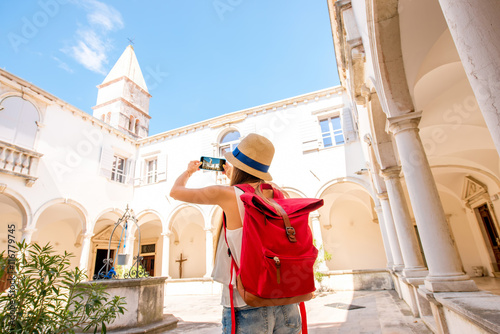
[[18, 161]]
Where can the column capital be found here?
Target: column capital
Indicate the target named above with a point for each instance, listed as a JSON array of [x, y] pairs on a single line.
[[398, 124], [28, 230], [88, 235], [393, 172], [314, 215], [167, 234], [208, 230], [383, 196]]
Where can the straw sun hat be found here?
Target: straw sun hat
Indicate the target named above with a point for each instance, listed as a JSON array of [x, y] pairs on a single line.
[[253, 155]]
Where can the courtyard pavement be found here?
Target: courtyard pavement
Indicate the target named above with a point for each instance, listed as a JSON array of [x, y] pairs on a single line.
[[381, 312]]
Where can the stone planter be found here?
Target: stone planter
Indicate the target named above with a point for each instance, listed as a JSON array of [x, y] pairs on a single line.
[[144, 303]]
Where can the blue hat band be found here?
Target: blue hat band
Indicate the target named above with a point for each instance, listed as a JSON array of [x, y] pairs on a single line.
[[249, 161]]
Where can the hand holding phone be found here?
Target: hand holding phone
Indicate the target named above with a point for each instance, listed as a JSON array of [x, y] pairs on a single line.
[[214, 164]]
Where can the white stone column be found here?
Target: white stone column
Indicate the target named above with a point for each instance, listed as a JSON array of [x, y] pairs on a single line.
[[84, 256], [445, 267], [385, 237], [397, 258], [209, 249], [316, 229], [410, 250], [165, 255], [27, 233], [475, 28]]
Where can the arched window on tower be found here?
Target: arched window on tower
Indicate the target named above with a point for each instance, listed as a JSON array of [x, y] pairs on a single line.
[[131, 123], [108, 117], [137, 127], [103, 117], [229, 142], [18, 121]]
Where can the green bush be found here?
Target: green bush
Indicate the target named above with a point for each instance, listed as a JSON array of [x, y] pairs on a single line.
[[318, 276], [46, 296]]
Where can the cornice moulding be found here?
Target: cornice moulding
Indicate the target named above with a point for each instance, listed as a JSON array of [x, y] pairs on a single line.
[[225, 119]]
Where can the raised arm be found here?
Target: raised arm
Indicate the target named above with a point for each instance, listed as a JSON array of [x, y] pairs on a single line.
[[215, 195]]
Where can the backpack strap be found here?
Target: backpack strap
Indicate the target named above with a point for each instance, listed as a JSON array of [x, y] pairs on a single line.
[[303, 317], [231, 289], [290, 231]]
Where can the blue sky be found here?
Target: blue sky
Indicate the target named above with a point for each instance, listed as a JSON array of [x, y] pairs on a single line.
[[200, 58]]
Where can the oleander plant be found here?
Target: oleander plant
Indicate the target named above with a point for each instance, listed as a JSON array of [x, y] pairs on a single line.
[[45, 296]]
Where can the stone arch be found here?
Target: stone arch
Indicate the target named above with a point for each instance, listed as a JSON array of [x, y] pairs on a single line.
[[146, 212], [348, 220], [19, 120], [355, 180], [387, 57], [101, 230], [137, 126], [298, 193], [151, 225], [118, 212], [15, 215], [77, 206], [131, 123], [23, 205], [179, 208], [187, 223], [69, 218], [26, 97]]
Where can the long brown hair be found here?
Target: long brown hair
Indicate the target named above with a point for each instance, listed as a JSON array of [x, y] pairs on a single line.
[[237, 177], [240, 177]]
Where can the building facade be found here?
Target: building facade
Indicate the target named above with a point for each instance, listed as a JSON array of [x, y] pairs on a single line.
[[67, 176], [404, 154]]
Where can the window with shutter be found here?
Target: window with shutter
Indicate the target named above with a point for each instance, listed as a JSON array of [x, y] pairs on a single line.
[[130, 171], [107, 159], [331, 131], [118, 169], [162, 167], [152, 171], [18, 121]]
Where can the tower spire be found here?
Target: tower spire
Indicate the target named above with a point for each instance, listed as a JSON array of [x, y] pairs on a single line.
[[123, 97]]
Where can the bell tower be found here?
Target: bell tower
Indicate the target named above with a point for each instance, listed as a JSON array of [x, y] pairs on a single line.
[[123, 97]]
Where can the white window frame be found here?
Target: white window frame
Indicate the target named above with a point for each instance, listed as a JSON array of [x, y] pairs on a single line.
[[116, 174], [331, 132], [151, 176], [231, 145]]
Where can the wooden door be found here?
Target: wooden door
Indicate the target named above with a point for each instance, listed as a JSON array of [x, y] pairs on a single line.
[[149, 264], [491, 232]]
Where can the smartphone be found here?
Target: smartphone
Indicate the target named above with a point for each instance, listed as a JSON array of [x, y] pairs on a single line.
[[215, 164]]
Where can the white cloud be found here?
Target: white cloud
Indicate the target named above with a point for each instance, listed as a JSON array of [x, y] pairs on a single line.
[[91, 46], [103, 15], [63, 65], [90, 51]]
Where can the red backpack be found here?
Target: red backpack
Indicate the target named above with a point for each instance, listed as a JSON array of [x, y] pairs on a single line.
[[277, 251]]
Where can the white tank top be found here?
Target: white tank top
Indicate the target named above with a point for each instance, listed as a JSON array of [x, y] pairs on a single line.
[[222, 266]]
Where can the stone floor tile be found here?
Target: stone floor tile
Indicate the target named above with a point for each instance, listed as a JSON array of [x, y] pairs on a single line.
[[383, 313]]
